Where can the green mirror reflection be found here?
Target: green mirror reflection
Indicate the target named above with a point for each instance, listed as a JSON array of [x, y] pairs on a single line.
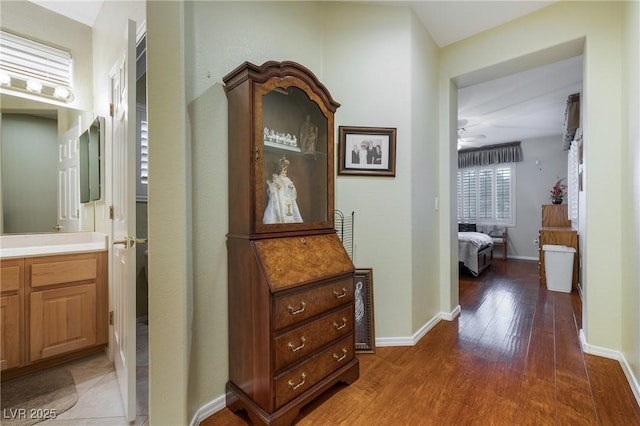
[[89, 145], [38, 172]]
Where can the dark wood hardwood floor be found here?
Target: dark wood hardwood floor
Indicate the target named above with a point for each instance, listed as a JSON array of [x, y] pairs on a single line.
[[512, 357]]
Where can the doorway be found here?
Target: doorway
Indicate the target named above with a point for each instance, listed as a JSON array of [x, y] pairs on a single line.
[[142, 270], [537, 163]]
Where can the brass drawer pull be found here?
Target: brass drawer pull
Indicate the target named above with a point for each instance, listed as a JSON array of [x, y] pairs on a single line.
[[340, 326], [295, 348], [294, 386], [294, 311], [340, 295], [339, 357]]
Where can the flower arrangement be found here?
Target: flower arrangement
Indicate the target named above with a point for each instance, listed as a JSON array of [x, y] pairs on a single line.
[[558, 191]]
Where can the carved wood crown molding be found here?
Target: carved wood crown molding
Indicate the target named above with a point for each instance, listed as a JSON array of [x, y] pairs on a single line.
[[275, 69]]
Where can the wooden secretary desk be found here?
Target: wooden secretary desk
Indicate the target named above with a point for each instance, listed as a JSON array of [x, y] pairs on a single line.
[[290, 280], [556, 230]]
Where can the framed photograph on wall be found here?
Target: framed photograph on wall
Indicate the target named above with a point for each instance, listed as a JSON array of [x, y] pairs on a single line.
[[367, 151], [365, 332]]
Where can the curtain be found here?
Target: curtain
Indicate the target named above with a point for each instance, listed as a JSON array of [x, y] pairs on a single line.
[[571, 120], [492, 154]]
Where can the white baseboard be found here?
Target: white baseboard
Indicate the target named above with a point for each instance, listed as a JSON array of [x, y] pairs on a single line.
[[580, 293], [633, 382], [394, 341], [598, 350], [616, 355], [523, 257], [207, 410], [450, 316], [412, 340]]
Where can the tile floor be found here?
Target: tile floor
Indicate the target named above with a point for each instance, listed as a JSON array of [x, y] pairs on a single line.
[[99, 400]]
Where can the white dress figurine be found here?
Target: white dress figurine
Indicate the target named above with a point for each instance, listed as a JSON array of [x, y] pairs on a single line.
[[282, 206]]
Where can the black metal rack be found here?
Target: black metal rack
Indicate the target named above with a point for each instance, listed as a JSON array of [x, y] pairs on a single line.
[[344, 227]]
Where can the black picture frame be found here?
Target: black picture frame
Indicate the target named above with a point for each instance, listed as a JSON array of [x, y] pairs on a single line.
[[364, 318], [379, 158]]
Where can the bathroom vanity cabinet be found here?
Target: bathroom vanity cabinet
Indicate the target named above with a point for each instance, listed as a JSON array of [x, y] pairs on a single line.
[[290, 280], [54, 308]]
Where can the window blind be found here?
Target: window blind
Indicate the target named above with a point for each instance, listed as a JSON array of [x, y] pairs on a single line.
[[467, 205], [485, 178], [29, 59], [144, 153], [503, 193], [485, 194]]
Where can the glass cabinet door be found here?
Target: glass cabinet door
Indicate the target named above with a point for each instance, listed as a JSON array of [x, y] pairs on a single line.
[[294, 160]]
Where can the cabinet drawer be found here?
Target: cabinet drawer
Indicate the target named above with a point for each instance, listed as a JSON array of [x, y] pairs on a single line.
[[293, 260], [302, 341], [297, 380], [11, 275], [296, 307], [61, 271]]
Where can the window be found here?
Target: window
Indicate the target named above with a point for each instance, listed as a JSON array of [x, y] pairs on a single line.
[[485, 194], [142, 154]]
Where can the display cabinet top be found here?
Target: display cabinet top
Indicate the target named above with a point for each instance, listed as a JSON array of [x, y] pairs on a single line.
[[274, 69]]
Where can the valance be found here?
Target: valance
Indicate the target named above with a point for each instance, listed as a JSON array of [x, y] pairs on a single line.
[[510, 152]]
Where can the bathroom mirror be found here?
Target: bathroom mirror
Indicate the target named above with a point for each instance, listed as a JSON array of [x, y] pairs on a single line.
[[30, 154], [89, 145]]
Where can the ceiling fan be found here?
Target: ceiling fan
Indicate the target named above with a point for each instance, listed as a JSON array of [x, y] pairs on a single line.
[[467, 141]]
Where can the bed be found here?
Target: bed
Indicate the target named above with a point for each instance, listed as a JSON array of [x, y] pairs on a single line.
[[475, 249]]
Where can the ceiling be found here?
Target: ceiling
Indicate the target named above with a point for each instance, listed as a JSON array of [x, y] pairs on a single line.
[[84, 11], [469, 17], [526, 105], [529, 104]]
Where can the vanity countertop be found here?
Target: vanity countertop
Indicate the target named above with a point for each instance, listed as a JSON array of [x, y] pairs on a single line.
[[28, 245]]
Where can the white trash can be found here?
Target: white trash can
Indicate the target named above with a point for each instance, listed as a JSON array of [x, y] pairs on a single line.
[[558, 267]]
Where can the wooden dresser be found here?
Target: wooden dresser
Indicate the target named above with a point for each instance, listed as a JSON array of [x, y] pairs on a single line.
[[290, 280], [556, 230]]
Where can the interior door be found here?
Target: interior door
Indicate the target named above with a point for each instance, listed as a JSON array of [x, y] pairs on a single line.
[[69, 181], [123, 255]]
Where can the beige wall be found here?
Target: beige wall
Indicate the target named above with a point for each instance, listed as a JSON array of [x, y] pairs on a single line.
[[387, 79], [170, 250], [424, 196], [631, 193]]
